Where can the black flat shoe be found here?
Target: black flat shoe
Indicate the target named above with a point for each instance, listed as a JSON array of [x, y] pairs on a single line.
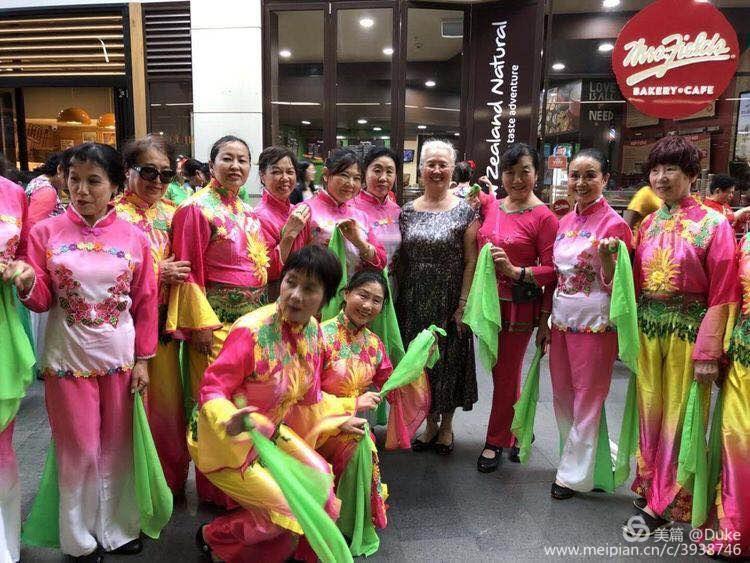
[[93, 557], [640, 503], [444, 449], [513, 453], [133, 547], [642, 525], [202, 544], [419, 446], [489, 464], [561, 493]]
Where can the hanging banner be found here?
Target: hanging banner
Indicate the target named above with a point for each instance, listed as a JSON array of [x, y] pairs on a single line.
[[506, 49], [674, 57]]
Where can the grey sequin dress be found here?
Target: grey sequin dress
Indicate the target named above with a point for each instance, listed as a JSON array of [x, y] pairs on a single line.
[[430, 273]]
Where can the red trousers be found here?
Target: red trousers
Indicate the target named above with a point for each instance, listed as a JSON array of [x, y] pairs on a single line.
[[506, 379]]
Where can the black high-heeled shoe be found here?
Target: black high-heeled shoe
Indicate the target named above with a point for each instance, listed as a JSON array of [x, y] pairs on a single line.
[[133, 547], [489, 464], [559, 492], [444, 449], [418, 445]]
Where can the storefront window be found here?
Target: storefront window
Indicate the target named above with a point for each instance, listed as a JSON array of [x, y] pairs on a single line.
[[583, 106], [296, 85], [58, 118], [169, 112], [8, 139], [363, 78], [434, 62]]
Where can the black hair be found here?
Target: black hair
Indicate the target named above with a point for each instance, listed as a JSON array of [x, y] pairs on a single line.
[[340, 160], [722, 182], [597, 155], [366, 276], [223, 141], [511, 157], [302, 167], [376, 153], [135, 148], [272, 155], [49, 168], [100, 154], [318, 262], [463, 172], [192, 166]]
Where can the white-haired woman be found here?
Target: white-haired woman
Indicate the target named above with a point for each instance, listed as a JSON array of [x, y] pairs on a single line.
[[436, 266]]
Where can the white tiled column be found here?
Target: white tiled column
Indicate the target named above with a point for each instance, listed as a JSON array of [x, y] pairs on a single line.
[[227, 75]]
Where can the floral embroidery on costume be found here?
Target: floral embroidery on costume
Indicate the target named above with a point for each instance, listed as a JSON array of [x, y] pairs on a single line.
[[582, 278], [78, 310], [11, 246], [661, 272]]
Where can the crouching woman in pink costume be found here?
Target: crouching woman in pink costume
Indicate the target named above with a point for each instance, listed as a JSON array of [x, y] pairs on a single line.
[[270, 362], [93, 272]]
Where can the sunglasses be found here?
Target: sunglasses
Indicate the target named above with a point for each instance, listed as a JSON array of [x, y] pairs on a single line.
[[150, 173]]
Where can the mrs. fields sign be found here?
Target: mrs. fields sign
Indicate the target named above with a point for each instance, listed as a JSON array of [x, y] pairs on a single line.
[[675, 57]]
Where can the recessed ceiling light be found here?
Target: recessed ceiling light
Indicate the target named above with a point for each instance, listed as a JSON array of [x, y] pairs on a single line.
[[558, 66], [605, 47], [388, 51], [305, 122], [361, 121], [385, 137], [285, 53], [367, 23], [377, 128], [421, 126], [340, 137], [610, 3], [430, 83], [456, 134]]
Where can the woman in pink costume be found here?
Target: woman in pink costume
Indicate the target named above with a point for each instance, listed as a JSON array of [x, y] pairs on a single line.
[[729, 521], [150, 164], [584, 342], [270, 362], [313, 221], [14, 345], [94, 273], [277, 167], [687, 286], [382, 212], [521, 230], [230, 258]]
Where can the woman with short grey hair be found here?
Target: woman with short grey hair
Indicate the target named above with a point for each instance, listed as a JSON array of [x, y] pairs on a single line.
[[436, 266]]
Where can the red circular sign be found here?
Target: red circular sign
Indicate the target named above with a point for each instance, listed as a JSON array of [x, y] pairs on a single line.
[[675, 57]]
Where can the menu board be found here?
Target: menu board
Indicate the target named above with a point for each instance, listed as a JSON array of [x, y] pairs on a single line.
[[634, 118], [708, 111], [635, 153], [742, 134]]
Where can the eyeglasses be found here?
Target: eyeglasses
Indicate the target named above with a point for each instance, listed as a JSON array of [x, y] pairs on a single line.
[[150, 173]]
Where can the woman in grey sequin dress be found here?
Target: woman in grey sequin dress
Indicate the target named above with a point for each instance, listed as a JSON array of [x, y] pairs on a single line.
[[435, 269]]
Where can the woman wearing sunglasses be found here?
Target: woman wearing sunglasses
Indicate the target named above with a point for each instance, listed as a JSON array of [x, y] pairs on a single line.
[[230, 264], [150, 164]]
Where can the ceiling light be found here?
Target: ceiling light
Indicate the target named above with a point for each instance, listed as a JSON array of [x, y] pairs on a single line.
[[610, 3], [388, 51], [305, 122], [340, 137], [456, 134], [605, 47], [421, 126], [377, 128], [361, 121], [367, 23], [385, 137], [430, 83], [285, 53], [558, 66]]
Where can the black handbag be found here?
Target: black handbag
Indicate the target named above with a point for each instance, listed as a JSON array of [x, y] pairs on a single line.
[[524, 292]]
